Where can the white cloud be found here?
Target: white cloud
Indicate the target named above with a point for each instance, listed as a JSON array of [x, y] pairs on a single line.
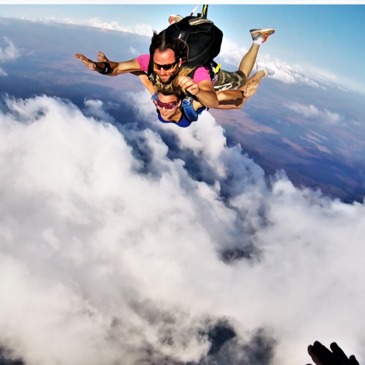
[[140, 29], [230, 53], [8, 52], [312, 112], [96, 108], [133, 51], [107, 254], [293, 74]]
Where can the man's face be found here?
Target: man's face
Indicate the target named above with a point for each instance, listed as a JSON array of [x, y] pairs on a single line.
[[165, 65], [167, 105]]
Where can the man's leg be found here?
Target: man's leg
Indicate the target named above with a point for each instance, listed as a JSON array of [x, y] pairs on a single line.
[[235, 99], [259, 36], [248, 61]]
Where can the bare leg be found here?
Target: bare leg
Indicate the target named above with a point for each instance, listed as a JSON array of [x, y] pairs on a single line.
[[249, 59], [259, 36]]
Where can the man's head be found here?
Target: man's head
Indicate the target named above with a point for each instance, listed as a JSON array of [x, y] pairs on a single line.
[[168, 105], [165, 64], [167, 56]]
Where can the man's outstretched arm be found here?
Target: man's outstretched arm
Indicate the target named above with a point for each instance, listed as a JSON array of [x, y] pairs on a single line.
[[106, 67]]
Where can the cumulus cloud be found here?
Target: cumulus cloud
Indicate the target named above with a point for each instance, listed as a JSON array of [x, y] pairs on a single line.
[[231, 53], [312, 112], [125, 245], [8, 52], [96, 108], [291, 74]]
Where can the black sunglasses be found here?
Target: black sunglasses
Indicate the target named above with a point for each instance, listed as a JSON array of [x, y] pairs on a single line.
[[166, 67]]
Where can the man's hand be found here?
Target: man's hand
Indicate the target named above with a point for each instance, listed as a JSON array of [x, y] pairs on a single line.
[[98, 66], [101, 57], [189, 85], [321, 355], [111, 68], [89, 64], [250, 88]]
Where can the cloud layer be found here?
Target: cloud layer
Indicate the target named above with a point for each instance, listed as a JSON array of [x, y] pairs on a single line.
[[124, 244], [141, 29]]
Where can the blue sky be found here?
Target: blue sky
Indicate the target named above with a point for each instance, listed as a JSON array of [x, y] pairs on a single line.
[[323, 39]]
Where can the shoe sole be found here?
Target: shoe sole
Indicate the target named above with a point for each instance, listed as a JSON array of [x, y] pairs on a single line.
[[266, 32]]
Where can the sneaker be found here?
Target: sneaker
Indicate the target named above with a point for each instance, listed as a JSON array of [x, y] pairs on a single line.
[[264, 33], [175, 18], [261, 66]]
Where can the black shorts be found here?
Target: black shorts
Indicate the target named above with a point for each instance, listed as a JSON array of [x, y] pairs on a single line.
[[225, 80]]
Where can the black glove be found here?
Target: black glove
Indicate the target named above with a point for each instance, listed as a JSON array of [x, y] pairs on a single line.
[[321, 355]]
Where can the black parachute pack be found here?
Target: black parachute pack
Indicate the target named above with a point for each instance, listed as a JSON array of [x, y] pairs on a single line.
[[201, 37]]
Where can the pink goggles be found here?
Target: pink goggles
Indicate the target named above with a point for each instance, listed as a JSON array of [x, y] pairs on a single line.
[[167, 106]]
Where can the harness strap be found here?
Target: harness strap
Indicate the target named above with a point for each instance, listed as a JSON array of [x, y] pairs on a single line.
[[188, 109]]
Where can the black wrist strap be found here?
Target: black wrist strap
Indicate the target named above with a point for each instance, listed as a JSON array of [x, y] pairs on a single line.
[[107, 69]]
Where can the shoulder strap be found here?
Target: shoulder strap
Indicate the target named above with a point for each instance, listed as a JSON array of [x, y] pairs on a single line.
[[188, 109]]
